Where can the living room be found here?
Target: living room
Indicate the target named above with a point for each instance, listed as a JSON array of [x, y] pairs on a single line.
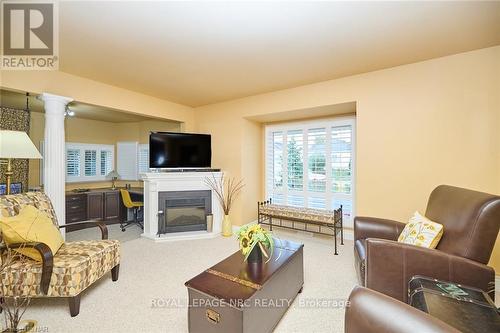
[[324, 111]]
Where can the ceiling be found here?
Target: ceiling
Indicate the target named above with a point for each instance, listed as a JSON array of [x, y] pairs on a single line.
[[198, 53], [17, 100]]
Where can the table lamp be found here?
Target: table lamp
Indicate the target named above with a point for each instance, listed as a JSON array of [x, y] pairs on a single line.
[[114, 176], [15, 144]]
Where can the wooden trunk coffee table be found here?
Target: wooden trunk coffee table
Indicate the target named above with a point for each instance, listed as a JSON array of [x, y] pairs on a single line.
[[235, 296]]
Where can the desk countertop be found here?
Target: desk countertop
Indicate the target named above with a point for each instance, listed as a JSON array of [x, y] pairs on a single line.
[[135, 190]]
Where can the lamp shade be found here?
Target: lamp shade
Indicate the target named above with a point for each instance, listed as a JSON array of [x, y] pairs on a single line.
[[16, 144], [113, 174]]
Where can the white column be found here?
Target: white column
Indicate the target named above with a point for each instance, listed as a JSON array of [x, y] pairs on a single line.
[[54, 164]]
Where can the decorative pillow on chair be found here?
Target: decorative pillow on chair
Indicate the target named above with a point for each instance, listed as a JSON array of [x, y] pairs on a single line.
[[421, 231], [31, 225]]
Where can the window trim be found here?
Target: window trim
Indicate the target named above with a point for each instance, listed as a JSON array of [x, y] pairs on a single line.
[[326, 123], [88, 146]]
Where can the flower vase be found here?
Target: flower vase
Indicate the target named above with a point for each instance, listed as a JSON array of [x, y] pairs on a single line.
[[227, 227], [255, 256]]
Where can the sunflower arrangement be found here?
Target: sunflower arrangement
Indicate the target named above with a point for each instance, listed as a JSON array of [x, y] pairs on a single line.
[[252, 236]]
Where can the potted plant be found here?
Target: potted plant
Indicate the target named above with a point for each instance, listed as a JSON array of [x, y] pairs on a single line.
[[255, 242], [226, 190]]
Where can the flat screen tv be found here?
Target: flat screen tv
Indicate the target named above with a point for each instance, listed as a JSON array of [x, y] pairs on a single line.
[[179, 150]]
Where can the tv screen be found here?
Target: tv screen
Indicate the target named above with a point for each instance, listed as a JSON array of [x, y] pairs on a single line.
[[179, 150]]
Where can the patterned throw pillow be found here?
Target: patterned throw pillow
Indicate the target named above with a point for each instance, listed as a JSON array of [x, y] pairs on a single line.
[[31, 225], [421, 231]]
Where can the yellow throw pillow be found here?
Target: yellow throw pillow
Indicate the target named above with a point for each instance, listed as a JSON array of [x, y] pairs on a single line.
[[31, 225], [421, 231]]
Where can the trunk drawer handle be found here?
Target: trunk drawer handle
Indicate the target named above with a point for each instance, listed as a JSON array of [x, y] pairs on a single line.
[[212, 316]]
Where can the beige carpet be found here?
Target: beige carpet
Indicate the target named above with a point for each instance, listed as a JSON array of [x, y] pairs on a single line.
[[151, 271]]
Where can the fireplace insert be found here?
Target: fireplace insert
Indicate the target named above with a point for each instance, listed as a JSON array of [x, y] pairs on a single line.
[[181, 211]]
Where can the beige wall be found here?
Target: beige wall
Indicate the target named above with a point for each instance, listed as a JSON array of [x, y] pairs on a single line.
[[418, 126], [98, 132]]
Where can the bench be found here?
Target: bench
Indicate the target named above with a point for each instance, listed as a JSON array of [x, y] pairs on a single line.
[[331, 219]]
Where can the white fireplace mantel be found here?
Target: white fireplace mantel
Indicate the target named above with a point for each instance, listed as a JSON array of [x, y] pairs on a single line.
[[155, 182]]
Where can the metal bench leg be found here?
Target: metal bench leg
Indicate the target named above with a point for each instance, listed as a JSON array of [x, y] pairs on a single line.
[[335, 238], [341, 233]]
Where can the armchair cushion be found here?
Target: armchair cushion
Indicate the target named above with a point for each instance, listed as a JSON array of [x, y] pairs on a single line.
[[31, 225], [76, 266]]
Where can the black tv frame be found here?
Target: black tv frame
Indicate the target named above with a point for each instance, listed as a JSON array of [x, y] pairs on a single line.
[[181, 168]]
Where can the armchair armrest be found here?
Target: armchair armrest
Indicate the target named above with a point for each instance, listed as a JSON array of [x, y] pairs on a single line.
[[47, 261], [371, 227], [370, 311], [92, 223], [390, 265]]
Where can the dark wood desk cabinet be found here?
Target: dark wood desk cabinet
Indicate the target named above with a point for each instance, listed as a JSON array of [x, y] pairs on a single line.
[[101, 204]]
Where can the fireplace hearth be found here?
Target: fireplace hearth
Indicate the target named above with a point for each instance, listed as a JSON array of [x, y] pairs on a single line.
[[183, 211]]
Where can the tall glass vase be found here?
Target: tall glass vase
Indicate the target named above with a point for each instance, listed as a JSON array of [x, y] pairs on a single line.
[[227, 227]]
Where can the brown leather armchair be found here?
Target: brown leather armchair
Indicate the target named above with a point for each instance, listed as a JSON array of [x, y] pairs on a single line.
[[471, 221], [370, 311]]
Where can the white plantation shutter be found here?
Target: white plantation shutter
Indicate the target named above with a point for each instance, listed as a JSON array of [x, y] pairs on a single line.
[[88, 162], [341, 159], [127, 164], [143, 158], [106, 162], [316, 156], [311, 164], [295, 160], [341, 166], [73, 162], [275, 156]]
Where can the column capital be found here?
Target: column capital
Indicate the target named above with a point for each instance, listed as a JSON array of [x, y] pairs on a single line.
[[46, 97]]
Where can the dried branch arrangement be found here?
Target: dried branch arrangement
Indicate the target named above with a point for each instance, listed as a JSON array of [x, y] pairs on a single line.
[[13, 307], [226, 190]]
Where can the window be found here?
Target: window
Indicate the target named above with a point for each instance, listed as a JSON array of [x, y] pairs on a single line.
[[341, 159], [316, 166], [88, 162], [295, 160], [106, 162], [310, 164], [73, 162]]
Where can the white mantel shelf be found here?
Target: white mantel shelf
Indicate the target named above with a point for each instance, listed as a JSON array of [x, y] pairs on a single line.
[[155, 182]]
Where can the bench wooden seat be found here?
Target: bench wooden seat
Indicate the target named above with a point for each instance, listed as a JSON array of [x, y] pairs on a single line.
[[332, 219]]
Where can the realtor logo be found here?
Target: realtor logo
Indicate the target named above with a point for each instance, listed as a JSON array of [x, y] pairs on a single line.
[[29, 39]]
